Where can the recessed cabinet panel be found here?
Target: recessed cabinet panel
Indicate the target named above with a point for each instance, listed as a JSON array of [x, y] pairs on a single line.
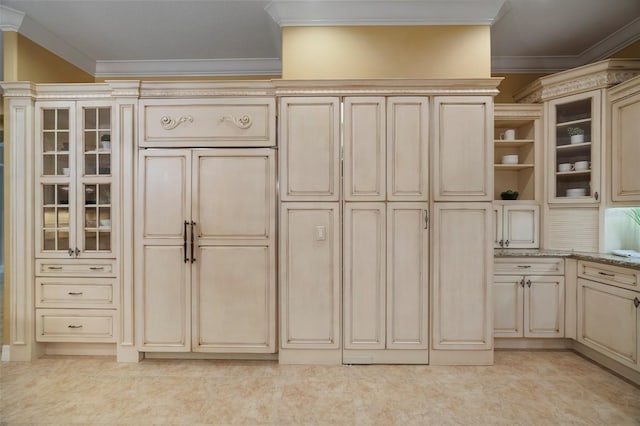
[[463, 149], [462, 276], [364, 149], [544, 306], [407, 276], [407, 149], [310, 149], [165, 193], [625, 149], [508, 303], [164, 310], [234, 194], [310, 275], [364, 275], [234, 298]]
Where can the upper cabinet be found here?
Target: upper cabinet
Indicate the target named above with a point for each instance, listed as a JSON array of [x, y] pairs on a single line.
[[463, 148], [310, 149], [623, 107], [518, 152], [386, 148], [574, 148], [75, 180]]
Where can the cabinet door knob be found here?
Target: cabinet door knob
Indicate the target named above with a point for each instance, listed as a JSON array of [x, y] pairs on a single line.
[[501, 243], [595, 194], [506, 243], [529, 283], [636, 302], [70, 251], [77, 251], [522, 282]]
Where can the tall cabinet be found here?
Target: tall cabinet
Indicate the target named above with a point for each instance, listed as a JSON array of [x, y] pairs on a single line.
[[386, 220]]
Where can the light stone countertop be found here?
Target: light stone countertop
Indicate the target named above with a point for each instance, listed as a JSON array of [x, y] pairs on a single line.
[[609, 259]]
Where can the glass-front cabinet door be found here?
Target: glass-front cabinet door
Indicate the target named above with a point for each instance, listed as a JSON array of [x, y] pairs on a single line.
[[574, 154], [74, 162]]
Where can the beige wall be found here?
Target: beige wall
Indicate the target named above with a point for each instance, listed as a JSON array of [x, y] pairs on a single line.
[[194, 78], [511, 84], [386, 52], [631, 51]]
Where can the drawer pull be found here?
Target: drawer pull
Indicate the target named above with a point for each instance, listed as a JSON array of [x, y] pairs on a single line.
[[636, 302], [606, 274], [54, 268], [524, 266], [74, 326], [75, 293], [169, 123], [97, 268]]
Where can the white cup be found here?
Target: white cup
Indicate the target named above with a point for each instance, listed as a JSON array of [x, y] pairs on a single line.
[[508, 135], [565, 167], [581, 165], [65, 171], [509, 159]]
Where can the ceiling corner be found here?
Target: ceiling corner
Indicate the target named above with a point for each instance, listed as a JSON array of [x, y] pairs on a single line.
[[10, 19]]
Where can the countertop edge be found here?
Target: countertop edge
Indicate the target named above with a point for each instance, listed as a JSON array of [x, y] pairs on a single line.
[[609, 259]]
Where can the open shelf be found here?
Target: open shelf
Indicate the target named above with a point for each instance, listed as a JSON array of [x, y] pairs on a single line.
[[499, 143], [514, 167]]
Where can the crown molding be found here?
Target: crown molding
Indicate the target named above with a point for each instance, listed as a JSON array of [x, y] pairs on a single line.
[[618, 40], [189, 68], [288, 13], [10, 19]]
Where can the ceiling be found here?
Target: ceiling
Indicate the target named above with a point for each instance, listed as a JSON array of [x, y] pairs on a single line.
[[243, 37]]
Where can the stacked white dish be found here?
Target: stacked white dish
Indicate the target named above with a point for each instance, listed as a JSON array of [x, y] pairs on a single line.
[[576, 192]]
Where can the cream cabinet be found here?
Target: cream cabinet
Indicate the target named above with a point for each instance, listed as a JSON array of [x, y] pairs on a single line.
[[386, 283], [623, 108], [309, 149], [516, 225], [76, 222], [574, 130], [462, 262], [528, 297], [609, 321], [463, 148], [205, 278], [309, 274]]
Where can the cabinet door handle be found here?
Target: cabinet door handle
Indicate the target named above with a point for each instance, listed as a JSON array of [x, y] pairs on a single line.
[[606, 274], [54, 268], [426, 219], [636, 302], [501, 243], [524, 266], [596, 195], [184, 240], [74, 326], [529, 283], [506, 243], [522, 282], [193, 248], [77, 251], [97, 268], [75, 293], [70, 251]]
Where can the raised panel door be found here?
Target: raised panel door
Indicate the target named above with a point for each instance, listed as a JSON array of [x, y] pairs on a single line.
[[310, 149], [508, 303], [364, 298], [364, 149], [625, 149], [544, 306], [463, 148], [462, 276], [234, 299], [609, 321], [407, 276], [310, 276], [407, 149], [520, 226]]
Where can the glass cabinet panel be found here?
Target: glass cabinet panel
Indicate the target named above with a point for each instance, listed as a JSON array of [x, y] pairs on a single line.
[[97, 141], [55, 142], [97, 217], [55, 217]]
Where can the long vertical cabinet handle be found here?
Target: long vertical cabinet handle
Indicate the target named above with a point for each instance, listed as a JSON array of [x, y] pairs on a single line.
[[426, 219], [193, 231], [184, 241]]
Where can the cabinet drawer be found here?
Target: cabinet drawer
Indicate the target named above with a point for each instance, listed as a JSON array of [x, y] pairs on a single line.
[[529, 266], [74, 267], [609, 274], [75, 292], [75, 325], [206, 122]]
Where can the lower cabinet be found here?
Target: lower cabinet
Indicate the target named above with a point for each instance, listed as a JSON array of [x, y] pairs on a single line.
[[309, 275], [386, 282], [609, 321], [462, 263], [528, 297]]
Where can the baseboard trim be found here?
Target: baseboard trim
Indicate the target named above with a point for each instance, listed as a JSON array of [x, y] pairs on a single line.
[[614, 366], [204, 355], [528, 344], [385, 356], [79, 349]]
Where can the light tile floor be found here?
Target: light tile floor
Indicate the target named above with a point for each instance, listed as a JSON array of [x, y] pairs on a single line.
[[523, 387]]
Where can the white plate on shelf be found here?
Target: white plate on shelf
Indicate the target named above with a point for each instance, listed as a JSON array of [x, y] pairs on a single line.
[[576, 192]]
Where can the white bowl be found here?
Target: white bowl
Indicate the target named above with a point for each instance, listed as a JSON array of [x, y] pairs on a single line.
[[564, 167], [105, 145], [509, 159], [105, 222], [576, 192], [581, 165]]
